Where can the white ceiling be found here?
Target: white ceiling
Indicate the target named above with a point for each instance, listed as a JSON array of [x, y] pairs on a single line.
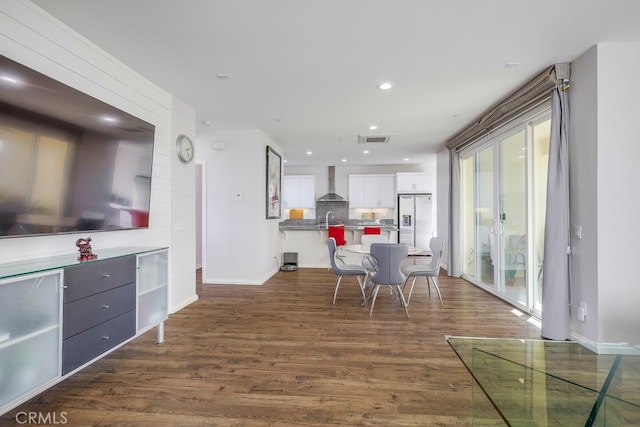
[[306, 71]]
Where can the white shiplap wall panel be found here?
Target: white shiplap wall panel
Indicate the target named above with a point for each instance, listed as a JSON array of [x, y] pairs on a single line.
[[80, 63], [32, 37]]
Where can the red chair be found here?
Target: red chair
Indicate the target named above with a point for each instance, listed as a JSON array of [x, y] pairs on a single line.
[[372, 230], [337, 232]]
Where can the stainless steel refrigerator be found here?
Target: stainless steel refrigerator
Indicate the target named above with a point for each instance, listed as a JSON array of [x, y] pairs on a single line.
[[415, 222]]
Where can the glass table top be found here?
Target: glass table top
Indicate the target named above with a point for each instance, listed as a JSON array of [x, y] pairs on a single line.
[[551, 383]]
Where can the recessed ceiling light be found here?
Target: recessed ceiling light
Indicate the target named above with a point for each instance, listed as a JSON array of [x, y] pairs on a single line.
[[309, 153], [406, 159], [385, 86], [344, 160], [207, 122], [284, 161], [373, 127], [365, 152]]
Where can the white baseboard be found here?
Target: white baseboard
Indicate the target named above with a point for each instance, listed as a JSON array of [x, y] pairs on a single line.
[[183, 304], [236, 281]]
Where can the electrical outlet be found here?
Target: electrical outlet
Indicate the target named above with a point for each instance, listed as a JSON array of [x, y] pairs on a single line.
[[577, 231]]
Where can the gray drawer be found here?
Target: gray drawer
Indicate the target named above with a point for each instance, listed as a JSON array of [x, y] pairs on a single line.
[[87, 345], [88, 312], [98, 276]]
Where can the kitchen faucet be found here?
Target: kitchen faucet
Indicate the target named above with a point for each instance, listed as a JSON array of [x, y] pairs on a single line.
[[326, 218]]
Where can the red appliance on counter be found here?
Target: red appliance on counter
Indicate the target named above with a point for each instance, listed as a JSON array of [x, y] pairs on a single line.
[[371, 230], [337, 232]]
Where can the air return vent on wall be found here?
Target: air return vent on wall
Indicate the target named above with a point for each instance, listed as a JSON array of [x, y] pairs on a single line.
[[372, 139]]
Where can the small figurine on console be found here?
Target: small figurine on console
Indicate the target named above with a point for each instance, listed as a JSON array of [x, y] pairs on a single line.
[[84, 246]]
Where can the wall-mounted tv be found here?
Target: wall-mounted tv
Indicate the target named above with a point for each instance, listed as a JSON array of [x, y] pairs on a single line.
[[68, 162]]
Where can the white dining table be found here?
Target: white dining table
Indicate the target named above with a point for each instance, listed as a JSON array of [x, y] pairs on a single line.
[[364, 249]]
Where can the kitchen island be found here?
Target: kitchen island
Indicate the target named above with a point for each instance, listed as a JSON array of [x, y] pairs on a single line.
[[308, 238]]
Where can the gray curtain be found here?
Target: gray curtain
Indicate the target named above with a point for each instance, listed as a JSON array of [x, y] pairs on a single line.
[[533, 93], [454, 259], [556, 289]]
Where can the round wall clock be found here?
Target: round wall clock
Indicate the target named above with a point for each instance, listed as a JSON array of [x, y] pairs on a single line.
[[184, 149]]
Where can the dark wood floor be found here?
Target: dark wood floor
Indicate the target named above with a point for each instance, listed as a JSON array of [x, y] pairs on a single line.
[[282, 355]]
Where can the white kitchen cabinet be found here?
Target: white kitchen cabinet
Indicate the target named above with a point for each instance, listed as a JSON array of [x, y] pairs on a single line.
[[30, 308], [298, 191], [414, 182], [386, 191], [372, 191], [356, 191]]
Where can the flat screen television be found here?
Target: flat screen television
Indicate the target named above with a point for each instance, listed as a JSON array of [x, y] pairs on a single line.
[[68, 162]]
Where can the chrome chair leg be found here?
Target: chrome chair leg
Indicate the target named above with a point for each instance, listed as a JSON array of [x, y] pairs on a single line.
[[362, 281], [435, 283], [335, 293], [373, 301], [413, 282], [404, 303]]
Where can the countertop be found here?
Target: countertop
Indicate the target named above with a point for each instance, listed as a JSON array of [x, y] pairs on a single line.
[[350, 225]]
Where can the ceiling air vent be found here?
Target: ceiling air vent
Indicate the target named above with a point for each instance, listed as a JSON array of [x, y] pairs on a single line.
[[371, 139]]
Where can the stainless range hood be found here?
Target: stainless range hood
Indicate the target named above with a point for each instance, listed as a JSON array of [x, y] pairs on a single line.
[[332, 196]]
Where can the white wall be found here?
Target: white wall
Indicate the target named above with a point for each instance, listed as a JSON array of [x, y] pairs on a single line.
[[239, 242], [603, 165], [583, 164], [199, 230], [618, 205], [183, 212], [32, 37], [442, 194]]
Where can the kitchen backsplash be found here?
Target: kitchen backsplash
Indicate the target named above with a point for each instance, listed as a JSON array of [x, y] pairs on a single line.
[[340, 210]]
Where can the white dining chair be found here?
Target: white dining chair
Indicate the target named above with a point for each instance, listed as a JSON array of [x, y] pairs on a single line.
[[428, 271]]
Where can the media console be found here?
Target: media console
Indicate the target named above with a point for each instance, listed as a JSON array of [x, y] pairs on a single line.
[[58, 314]]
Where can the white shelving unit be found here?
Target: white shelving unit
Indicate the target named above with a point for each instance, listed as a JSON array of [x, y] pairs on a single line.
[[30, 335], [152, 291]]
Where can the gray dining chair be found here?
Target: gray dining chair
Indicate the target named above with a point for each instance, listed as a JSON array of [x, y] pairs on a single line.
[[388, 258], [367, 239], [340, 270], [428, 271]]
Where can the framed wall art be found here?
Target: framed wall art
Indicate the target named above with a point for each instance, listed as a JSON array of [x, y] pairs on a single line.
[[274, 184]]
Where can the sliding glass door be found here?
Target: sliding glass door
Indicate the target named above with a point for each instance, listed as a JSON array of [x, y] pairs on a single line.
[[503, 192], [511, 229]]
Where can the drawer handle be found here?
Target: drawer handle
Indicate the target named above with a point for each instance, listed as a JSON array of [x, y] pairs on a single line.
[[105, 338], [105, 275], [106, 306]]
